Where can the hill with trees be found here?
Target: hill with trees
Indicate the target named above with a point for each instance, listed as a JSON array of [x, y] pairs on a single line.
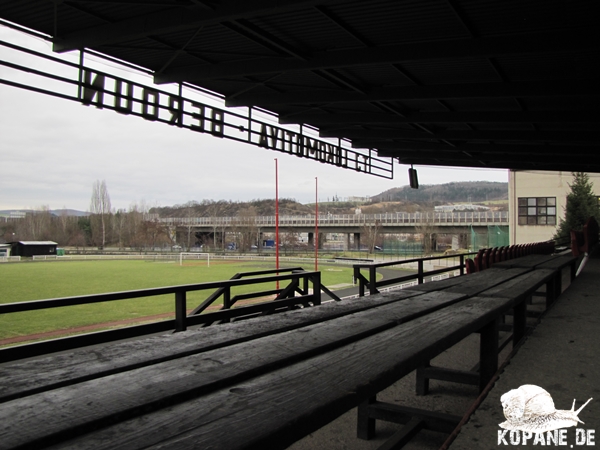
[[463, 191], [401, 199], [137, 227]]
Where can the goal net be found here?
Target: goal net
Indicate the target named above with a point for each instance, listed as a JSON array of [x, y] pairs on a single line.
[[194, 257]]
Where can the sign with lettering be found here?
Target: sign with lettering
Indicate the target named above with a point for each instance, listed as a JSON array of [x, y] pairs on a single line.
[[181, 109]]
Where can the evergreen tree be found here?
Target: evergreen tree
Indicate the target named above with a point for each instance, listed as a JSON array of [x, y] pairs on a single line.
[[581, 205]]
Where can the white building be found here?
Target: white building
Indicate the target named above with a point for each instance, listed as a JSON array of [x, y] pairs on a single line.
[[537, 202]]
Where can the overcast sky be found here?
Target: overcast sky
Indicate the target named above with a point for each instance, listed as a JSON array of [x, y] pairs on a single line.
[[52, 150]]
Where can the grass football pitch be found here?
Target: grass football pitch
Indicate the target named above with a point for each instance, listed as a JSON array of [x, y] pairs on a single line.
[[54, 279]]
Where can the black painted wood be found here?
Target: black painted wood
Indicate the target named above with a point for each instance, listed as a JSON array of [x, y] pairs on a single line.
[[261, 383], [403, 436], [472, 284], [521, 286], [20, 378], [276, 408], [160, 385], [435, 421], [519, 289]]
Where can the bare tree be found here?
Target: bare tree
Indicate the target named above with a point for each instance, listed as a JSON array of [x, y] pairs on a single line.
[[289, 240], [100, 206], [153, 233], [216, 211], [134, 219], [36, 225], [119, 222], [245, 228], [428, 231], [370, 233]]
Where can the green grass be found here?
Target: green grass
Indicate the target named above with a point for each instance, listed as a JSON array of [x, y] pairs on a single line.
[[44, 280]]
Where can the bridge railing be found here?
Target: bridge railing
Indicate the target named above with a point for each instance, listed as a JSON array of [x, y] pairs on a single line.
[[298, 282], [437, 218], [370, 281]]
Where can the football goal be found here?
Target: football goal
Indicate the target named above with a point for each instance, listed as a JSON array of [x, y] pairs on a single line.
[[189, 256]]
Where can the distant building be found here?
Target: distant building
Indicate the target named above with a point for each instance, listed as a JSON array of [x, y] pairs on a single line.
[[5, 250], [462, 207], [33, 248], [537, 202], [355, 199]]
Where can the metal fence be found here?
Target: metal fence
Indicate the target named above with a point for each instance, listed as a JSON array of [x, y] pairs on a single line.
[[437, 218]]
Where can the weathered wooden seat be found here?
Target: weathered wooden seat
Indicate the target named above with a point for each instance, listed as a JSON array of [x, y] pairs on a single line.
[[554, 262], [265, 392], [22, 378], [264, 382], [517, 288]]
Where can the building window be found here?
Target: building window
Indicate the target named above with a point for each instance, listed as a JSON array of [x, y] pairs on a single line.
[[537, 210]]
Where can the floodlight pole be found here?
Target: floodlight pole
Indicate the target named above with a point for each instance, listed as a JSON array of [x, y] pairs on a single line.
[[316, 239], [276, 220]]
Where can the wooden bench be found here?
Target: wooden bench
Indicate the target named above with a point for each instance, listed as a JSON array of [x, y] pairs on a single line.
[[22, 378], [553, 262], [260, 383], [260, 393]]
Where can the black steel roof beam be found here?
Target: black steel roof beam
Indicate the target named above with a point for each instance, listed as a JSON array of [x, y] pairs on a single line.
[[553, 164], [444, 117], [338, 80], [390, 54], [581, 136], [490, 150], [176, 20], [457, 155], [462, 18], [344, 26], [255, 34], [139, 2], [253, 84], [171, 48], [180, 50], [432, 92]]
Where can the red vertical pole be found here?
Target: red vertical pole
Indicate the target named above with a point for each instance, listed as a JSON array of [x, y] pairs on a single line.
[[316, 224], [277, 219]]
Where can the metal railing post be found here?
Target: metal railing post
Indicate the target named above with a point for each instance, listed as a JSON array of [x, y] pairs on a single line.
[[227, 300], [420, 271], [317, 289], [180, 311], [373, 280], [462, 264], [361, 284]]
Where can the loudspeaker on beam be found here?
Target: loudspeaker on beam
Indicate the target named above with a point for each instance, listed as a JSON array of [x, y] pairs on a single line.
[[412, 178]]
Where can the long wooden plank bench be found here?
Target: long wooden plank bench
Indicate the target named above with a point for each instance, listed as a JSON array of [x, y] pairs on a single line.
[[553, 262], [519, 289], [261, 383], [20, 378], [263, 393], [472, 284], [489, 284], [219, 361]]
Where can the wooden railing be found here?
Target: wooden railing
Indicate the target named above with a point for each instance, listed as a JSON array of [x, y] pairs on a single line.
[[298, 283], [372, 284]]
